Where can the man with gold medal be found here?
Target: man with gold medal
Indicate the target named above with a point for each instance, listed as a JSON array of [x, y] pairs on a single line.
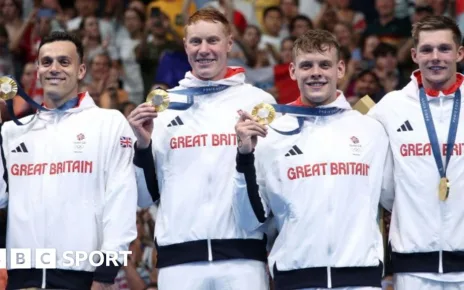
[[317, 170], [424, 177], [184, 158], [68, 179]]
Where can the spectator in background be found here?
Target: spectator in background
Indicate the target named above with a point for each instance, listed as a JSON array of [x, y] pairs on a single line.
[[366, 83], [354, 18], [86, 8], [271, 38], [6, 58], [386, 67], [289, 10], [134, 22], [250, 54], [327, 18], [299, 25], [344, 33], [153, 45], [387, 27], [285, 89], [93, 42], [368, 45]]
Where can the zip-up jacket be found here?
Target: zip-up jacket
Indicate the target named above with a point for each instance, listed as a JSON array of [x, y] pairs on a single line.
[[189, 169], [425, 232], [322, 186], [69, 185]]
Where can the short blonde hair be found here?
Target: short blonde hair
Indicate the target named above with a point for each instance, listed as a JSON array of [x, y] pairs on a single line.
[[209, 14], [318, 40]]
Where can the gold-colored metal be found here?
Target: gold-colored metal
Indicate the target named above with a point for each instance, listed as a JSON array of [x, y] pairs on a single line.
[[265, 113], [443, 190], [364, 104], [8, 88], [159, 99]]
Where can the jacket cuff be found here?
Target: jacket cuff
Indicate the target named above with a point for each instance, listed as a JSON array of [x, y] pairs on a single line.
[[244, 161], [142, 156], [106, 272]]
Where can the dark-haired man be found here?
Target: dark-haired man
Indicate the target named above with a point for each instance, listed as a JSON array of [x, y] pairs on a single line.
[[68, 182], [424, 188]]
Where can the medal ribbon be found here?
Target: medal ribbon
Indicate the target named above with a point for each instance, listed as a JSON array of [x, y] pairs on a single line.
[[453, 128], [190, 93], [305, 111]]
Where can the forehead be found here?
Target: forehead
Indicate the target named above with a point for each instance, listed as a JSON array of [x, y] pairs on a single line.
[[58, 48], [316, 56], [205, 29], [435, 37]]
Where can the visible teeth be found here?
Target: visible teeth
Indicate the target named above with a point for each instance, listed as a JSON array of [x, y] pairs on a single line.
[[316, 84], [205, 60], [436, 68]]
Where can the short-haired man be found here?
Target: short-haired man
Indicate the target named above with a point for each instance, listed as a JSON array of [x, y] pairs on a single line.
[[321, 182], [69, 181], [185, 160], [424, 184]]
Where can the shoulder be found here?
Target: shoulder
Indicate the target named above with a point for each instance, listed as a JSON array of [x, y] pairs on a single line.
[[254, 93], [388, 102]]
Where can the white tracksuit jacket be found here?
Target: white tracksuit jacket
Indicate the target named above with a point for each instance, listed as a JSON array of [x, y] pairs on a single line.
[[69, 185], [426, 234], [322, 186], [194, 152]]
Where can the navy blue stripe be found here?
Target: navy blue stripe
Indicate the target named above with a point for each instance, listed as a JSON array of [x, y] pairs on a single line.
[[56, 279], [197, 251], [143, 158], [317, 277], [427, 262]]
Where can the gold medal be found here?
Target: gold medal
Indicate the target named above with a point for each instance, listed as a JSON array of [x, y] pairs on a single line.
[[265, 113], [8, 88], [159, 99], [443, 189]]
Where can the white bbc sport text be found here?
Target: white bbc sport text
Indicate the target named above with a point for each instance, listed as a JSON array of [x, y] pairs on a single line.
[[46, 258]]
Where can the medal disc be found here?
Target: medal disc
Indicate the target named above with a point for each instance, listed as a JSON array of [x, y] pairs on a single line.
[[265, 113], [159, 99], [443, 189], [8, 88]]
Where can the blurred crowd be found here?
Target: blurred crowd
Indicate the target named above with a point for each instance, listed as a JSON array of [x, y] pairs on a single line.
[[134, 46]]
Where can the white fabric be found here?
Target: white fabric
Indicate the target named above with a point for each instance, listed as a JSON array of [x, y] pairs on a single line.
[[195, 162], [89, 208], [324, 218], [219, 275], [408, 282], [420, 221]]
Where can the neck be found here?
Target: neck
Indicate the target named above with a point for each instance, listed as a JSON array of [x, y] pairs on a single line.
[[219, 76], [439, 86], [52, 103], [309, 103]]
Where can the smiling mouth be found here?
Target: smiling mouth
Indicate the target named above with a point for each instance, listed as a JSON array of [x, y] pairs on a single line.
[[436, 68], [316, 84], [204, 61]]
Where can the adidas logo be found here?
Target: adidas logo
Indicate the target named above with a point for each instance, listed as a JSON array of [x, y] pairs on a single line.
[[20, 148], [405, 127], [294, 151], [176, 122]]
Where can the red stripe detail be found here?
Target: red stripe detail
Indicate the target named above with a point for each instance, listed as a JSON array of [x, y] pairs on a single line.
[[434, 93], [233, 71]]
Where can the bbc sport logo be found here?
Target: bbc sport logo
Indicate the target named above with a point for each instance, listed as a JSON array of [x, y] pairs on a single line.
[[46, 258]]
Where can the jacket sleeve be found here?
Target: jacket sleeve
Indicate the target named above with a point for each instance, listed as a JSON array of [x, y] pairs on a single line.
[[379, 112], [147, 182], [3, 172], [118, 221], [387, 195], [250, 207]]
